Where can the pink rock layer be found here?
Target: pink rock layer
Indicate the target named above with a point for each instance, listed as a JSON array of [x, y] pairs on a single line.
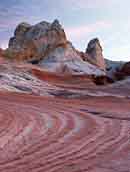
[[45, 134], [56, 123]]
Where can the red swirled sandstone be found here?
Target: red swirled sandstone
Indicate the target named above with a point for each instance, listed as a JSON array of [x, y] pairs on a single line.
[[69, 135]]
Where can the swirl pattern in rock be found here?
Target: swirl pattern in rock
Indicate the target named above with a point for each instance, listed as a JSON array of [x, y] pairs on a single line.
[[47, 134]]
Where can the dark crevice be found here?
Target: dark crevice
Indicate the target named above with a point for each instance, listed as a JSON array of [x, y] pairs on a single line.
[[103, 115]]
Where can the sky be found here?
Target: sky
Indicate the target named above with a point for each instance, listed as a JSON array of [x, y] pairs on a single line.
[[83, 20]]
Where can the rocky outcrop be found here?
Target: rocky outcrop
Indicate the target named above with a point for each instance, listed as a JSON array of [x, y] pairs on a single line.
[[46, 44], [94, 54], [34, 42], [66, 60]]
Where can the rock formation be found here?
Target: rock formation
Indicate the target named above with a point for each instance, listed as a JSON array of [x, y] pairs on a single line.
[[66, 60], [34, 42], [94, 54], [53, 117], [47, 44]]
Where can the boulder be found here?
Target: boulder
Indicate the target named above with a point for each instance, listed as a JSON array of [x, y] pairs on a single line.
[[94, 54]]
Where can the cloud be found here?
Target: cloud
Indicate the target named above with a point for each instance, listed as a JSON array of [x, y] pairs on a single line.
[[82, 31], [90, 4]]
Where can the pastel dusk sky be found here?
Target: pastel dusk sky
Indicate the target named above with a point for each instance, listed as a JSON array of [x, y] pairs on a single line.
[[83, 20]]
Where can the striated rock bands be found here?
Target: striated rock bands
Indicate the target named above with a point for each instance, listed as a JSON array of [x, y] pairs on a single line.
[[62, 124], [53, 116]]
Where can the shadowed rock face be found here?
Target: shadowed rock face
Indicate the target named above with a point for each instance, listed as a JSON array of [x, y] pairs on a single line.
[[117, 70], [20, 30], [126, 69], [94, 54], [122, 72], [112, 68]]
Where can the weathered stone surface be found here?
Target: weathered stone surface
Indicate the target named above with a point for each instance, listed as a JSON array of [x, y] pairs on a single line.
[[94, 54], [46, 43], [21, 29], [66, 60], [34, 42]]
